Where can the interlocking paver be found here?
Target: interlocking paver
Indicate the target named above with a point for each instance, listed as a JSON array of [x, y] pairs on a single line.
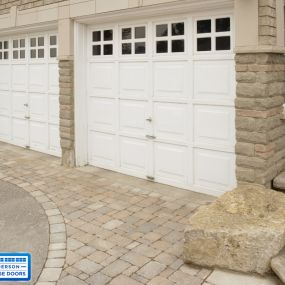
[[120, 230]]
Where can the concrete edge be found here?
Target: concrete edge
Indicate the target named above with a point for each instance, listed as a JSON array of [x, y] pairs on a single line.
[[56, 255]]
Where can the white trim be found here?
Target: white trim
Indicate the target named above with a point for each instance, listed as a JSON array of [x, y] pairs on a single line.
[[80, 95]]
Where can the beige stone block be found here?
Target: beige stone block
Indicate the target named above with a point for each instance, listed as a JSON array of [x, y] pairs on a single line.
[[103, 6]]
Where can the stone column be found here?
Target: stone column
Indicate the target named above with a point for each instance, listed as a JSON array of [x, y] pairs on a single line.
[[66, 81], [260, 130], [66, 101]]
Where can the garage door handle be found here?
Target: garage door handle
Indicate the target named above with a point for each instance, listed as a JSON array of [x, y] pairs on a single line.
[[149, 119], [150, 137], [27, 117]]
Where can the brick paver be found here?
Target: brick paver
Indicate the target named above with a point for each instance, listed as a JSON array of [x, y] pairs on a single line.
[[120, 230]]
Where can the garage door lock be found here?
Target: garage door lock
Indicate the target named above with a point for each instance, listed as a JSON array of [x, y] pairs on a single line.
[[150, 137]]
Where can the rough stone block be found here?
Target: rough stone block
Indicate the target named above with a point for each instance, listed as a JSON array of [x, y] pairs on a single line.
[[278, 265], [279, 181], [242, 230]]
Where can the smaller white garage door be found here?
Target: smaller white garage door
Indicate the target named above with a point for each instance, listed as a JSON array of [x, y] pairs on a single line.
[[161, 100], [29, 92]]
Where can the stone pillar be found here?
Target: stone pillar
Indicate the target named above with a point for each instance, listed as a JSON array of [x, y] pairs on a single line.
[[66, 101], [260, 131], [66, 81], [260, 75]]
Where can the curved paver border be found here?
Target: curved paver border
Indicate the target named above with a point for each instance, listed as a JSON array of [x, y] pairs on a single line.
[[57, 237]]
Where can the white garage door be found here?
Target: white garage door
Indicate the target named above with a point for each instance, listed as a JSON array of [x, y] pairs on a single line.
[[161, 101], [29, 92]]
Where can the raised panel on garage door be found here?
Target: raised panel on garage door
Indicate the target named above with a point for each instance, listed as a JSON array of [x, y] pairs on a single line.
[[170, 164], [134, 80], [102, 79], [133, 116], [5, 77], [171, 122], [134, 156]]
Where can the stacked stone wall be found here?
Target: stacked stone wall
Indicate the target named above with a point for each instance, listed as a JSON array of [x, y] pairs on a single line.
[[66, 101], [267, 22], [260, 130]]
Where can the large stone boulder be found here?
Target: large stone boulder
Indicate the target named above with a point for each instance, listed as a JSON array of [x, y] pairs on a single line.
[[242, 230]]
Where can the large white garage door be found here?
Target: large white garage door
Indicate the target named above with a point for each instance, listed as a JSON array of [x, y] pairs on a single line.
[[161, 101], [29, 92]]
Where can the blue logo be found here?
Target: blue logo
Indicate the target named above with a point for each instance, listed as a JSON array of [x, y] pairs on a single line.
[[15, 267]]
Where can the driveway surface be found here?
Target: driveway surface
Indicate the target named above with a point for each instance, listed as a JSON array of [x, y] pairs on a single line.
[[120, 230], [23, 226]]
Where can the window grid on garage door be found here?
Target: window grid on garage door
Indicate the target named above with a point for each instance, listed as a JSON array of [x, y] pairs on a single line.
[[29, 86], [213, 34], [124, 84]]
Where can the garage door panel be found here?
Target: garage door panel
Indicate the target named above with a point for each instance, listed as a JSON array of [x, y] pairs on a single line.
[[18, 107], [170, 164], [5, 104], [54, 140], [171, 122], [133, 156], [19, 77], [53, 110], [133, 79], [5, 128], [133, 116], [19, 132], [102, 114], [214, 169], [38, 135], [170, 79], [38, 77], [53, 78], [102, 79], [214, 80], [5, 77], [102, 149], [214, 125], [38, 107]]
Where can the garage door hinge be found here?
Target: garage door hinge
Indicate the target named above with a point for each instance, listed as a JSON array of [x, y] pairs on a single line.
[[27, 117], [150, 137], [150, 178]]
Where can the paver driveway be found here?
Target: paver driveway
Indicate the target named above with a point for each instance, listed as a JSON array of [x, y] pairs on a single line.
[[120, 230]]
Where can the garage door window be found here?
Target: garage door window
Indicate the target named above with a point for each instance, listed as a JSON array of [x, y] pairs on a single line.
[[133, 40], [102, 42], [53, 46], [170, 38], [4, 50], [213, 34], [19, 51], [37, 47]]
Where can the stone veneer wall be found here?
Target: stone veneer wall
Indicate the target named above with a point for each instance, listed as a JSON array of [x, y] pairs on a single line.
[[260, 131], [5, 5], [66, 102], [267, 22]]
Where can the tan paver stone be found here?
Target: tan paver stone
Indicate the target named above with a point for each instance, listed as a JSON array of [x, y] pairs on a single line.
[[151, 269], [116, 268], [98, 256], [124, 280], [71, 280], [98, 279], [50, 274], [135, 258], [87, 266], [161, 281]]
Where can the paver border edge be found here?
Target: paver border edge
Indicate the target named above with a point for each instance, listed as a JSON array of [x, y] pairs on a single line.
[[56, 255]]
